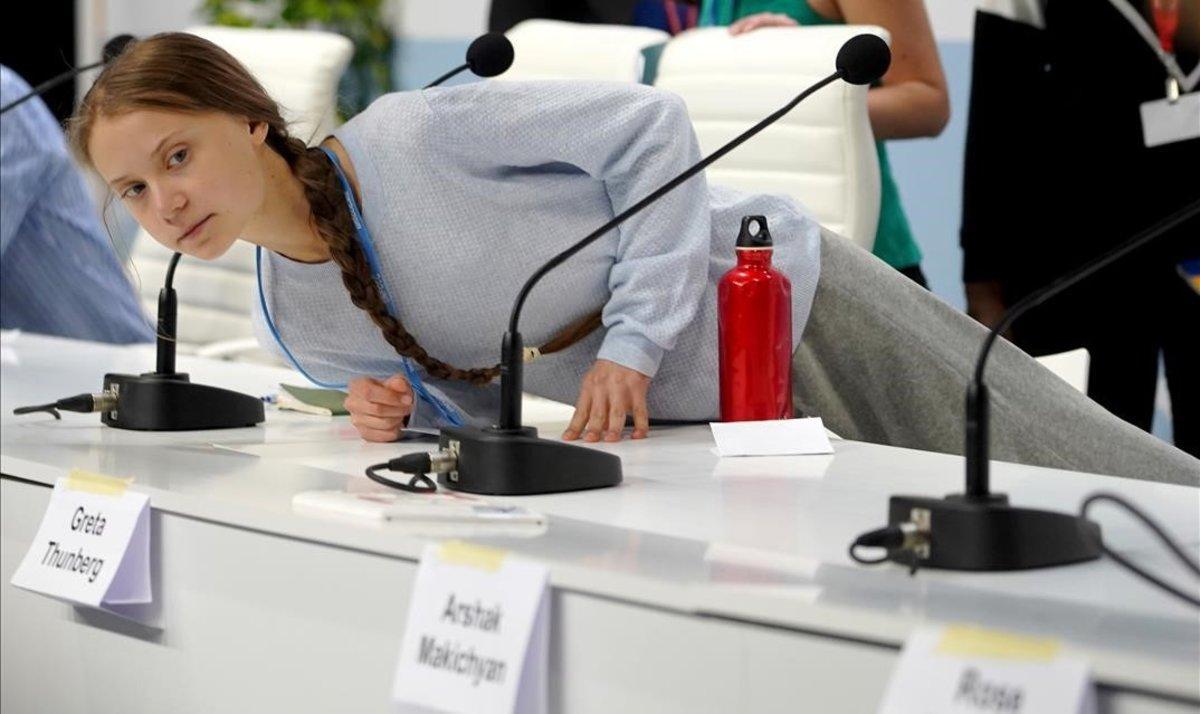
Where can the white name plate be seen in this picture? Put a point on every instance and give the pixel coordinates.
(965, 670)
(93, 546)
(477, 636)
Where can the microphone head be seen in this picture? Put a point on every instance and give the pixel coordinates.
(863, 59)
(490, 54)
(114, 47)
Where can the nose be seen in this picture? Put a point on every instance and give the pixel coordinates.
(170, 203)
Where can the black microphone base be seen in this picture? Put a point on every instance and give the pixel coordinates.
(169, 402)
(516, 462)
(986, 533)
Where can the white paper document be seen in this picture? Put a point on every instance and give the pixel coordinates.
(477, 636)
(92, 547)
(963, 669)
(778, 437)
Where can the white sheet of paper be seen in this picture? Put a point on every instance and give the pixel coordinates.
(778, 437)
(477, 637)
(91, 549)
(955, 669)
(1165, 122)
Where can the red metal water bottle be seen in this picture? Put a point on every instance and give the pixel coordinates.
(754, 323)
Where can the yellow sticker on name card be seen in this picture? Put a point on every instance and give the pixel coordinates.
(967, 641)
(457, 552)
(90, 482)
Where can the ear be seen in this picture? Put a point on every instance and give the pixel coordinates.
(258, 132)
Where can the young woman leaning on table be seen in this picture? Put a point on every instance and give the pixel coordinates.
(910, 102)
(392, 252)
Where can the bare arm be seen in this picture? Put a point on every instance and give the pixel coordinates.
(913, 100)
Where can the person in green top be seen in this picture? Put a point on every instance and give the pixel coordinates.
(911, 101)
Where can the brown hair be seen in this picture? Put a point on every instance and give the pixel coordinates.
(183, 72)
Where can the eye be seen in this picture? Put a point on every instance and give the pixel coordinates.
(133, 191)
(177, 158)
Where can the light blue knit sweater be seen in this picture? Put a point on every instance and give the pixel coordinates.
(467, 190)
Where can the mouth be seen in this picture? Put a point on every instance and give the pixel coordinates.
(196, 229)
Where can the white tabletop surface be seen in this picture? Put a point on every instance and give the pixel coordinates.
(753, 539)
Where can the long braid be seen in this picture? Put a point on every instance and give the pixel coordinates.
(335, 226)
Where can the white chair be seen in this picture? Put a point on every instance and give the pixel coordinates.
(822, 153)
(300, 69)
(1071, 367)
(551, 49)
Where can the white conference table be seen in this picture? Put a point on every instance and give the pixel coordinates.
(698, 585)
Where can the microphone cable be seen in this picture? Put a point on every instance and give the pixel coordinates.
(419, 465)
(84, 403)
(1171, 545)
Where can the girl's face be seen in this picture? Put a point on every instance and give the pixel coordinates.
(193, 181)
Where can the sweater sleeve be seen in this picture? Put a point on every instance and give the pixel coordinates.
(632, 138)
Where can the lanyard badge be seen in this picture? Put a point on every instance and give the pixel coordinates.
(1177, 117)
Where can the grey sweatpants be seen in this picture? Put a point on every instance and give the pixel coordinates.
(883, 360)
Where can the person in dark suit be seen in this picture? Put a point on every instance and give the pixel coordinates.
(1057, 172)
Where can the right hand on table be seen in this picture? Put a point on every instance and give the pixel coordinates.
(379, 409)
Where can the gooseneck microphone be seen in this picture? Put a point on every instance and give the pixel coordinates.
(978, 529)
(112, 49)
(162, 400)
(510, 459)
(488, 55)
(978, 478)
(166, 400)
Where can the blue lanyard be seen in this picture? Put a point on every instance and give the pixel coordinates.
(446, 411)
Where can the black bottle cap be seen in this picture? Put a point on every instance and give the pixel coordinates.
(754, 233)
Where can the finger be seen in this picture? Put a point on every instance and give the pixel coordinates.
(616, 420)
(374, 423)
(596, 416)
(359, 386)
(398, 383)
(744, 24)
(641, 417)
(579, 418)
(770, 21)
(359, 405)
(379, 394)
(754, 23)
